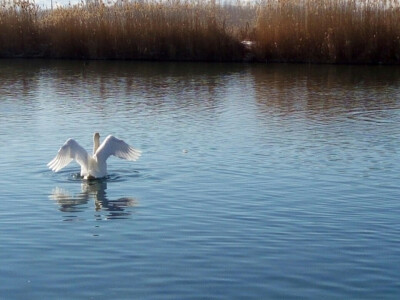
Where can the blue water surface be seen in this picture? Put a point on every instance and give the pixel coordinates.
(255, 182)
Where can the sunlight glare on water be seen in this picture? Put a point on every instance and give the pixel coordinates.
(256, 181)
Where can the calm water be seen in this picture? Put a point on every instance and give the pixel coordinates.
(268, 181)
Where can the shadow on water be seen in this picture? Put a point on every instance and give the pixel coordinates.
(96, 190)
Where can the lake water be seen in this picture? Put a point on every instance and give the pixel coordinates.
(255, 182)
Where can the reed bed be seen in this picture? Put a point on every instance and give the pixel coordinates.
(153, 30)
(329, 31)
(326, 31)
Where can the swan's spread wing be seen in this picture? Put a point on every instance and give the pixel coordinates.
(118, 148)
(68, 152)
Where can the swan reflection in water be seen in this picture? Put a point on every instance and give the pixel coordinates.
(95, 189)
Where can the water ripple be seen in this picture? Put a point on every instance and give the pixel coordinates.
(256, 181)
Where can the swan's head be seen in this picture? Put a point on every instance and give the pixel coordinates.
(96, 142)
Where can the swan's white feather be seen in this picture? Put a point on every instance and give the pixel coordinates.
(70, 151)
(93, 166)
(118, 148)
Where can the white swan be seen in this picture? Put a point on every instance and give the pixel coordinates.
(93, 166)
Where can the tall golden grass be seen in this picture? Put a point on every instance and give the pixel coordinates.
(325, 31)
(19, 28)
(329, 31)
(167, 30)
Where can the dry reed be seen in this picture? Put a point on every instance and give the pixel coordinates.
(19, 28)
(168, 30)
(326, 31)
(329, 31)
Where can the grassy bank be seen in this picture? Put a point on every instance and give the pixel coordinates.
(326, 31)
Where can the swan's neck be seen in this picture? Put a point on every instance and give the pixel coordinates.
(96, 143)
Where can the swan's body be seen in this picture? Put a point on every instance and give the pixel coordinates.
(93, 166)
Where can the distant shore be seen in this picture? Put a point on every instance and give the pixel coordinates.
(328, 31)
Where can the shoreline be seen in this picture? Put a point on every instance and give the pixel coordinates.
(243, 61)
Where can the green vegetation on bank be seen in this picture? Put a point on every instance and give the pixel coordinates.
(326, 31)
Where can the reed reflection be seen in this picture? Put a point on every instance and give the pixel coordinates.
(325, 92)
(95, 190)
(19, 79)
(151, 86)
